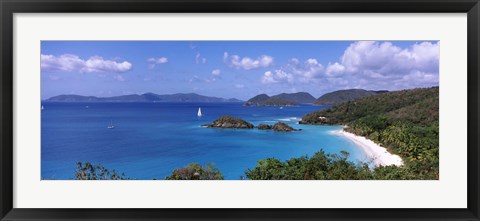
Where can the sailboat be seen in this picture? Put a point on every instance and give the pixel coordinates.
(199, 112)
(111, 126)
(42, 107)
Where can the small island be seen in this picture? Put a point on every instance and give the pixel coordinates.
(282, 127)
(229, 122)
(238, 123)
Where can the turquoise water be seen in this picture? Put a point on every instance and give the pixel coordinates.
(150, 140)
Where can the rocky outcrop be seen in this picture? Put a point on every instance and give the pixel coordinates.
(282, 127)
(230, 122)
(234, 122)
(264, 127)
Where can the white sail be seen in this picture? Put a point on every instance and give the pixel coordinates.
(199, 112)
(111, 126)
(42, 107)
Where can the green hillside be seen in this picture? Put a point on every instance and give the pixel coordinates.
(405, 122)
(276, 101)
(342, 96)
(282, 99)
(299, 97)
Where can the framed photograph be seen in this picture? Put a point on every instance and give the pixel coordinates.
(199, 110)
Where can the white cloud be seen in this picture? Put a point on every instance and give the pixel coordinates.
(335, 69)
(197, 79)
(307, 71)
(199, 59)
(160, 60)
(247, 63)
(154, 61)
(225, 56)
(366, 64)
(208, 79)
(216, 72)
(73, 63)
(385, 65)
(365, 57)
(277, 76)
(239, 86)
(294, 61)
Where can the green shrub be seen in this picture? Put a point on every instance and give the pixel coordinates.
(88, 171)
(195, 171)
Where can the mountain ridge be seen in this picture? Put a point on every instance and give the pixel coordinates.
(283, 99)
(145, 97)
(341, 96)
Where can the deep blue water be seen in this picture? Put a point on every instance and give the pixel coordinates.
(150, 140)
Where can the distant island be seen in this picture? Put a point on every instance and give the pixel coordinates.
(329, 99)
(147, 97)
(342, 96)
(283, 99)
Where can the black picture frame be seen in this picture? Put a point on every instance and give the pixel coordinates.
(9, 7)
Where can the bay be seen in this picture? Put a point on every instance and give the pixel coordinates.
(150, 140)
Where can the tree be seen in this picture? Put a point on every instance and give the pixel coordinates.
(88, 171)
(320, 166)
(195, 171)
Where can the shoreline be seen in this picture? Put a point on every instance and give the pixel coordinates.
(379, 154)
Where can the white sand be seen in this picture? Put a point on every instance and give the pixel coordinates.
(379, 154)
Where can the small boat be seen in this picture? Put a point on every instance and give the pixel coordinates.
(281, 108)
(42, 107)
(111, 126)
(199, 112)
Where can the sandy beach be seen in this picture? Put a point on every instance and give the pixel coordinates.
(379, 154)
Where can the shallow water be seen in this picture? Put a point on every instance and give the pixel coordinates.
(150, 140)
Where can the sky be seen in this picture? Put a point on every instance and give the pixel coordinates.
(234, 69)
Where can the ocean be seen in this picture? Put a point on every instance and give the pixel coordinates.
(150, 140)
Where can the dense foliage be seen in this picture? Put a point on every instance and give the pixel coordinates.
(322, 166)
(282, 99)
(195, 171)
(88, 171)
(342, 96)
(258, 98)
(230, 122)
(405, 122)
(276, 101)
(299, 97)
